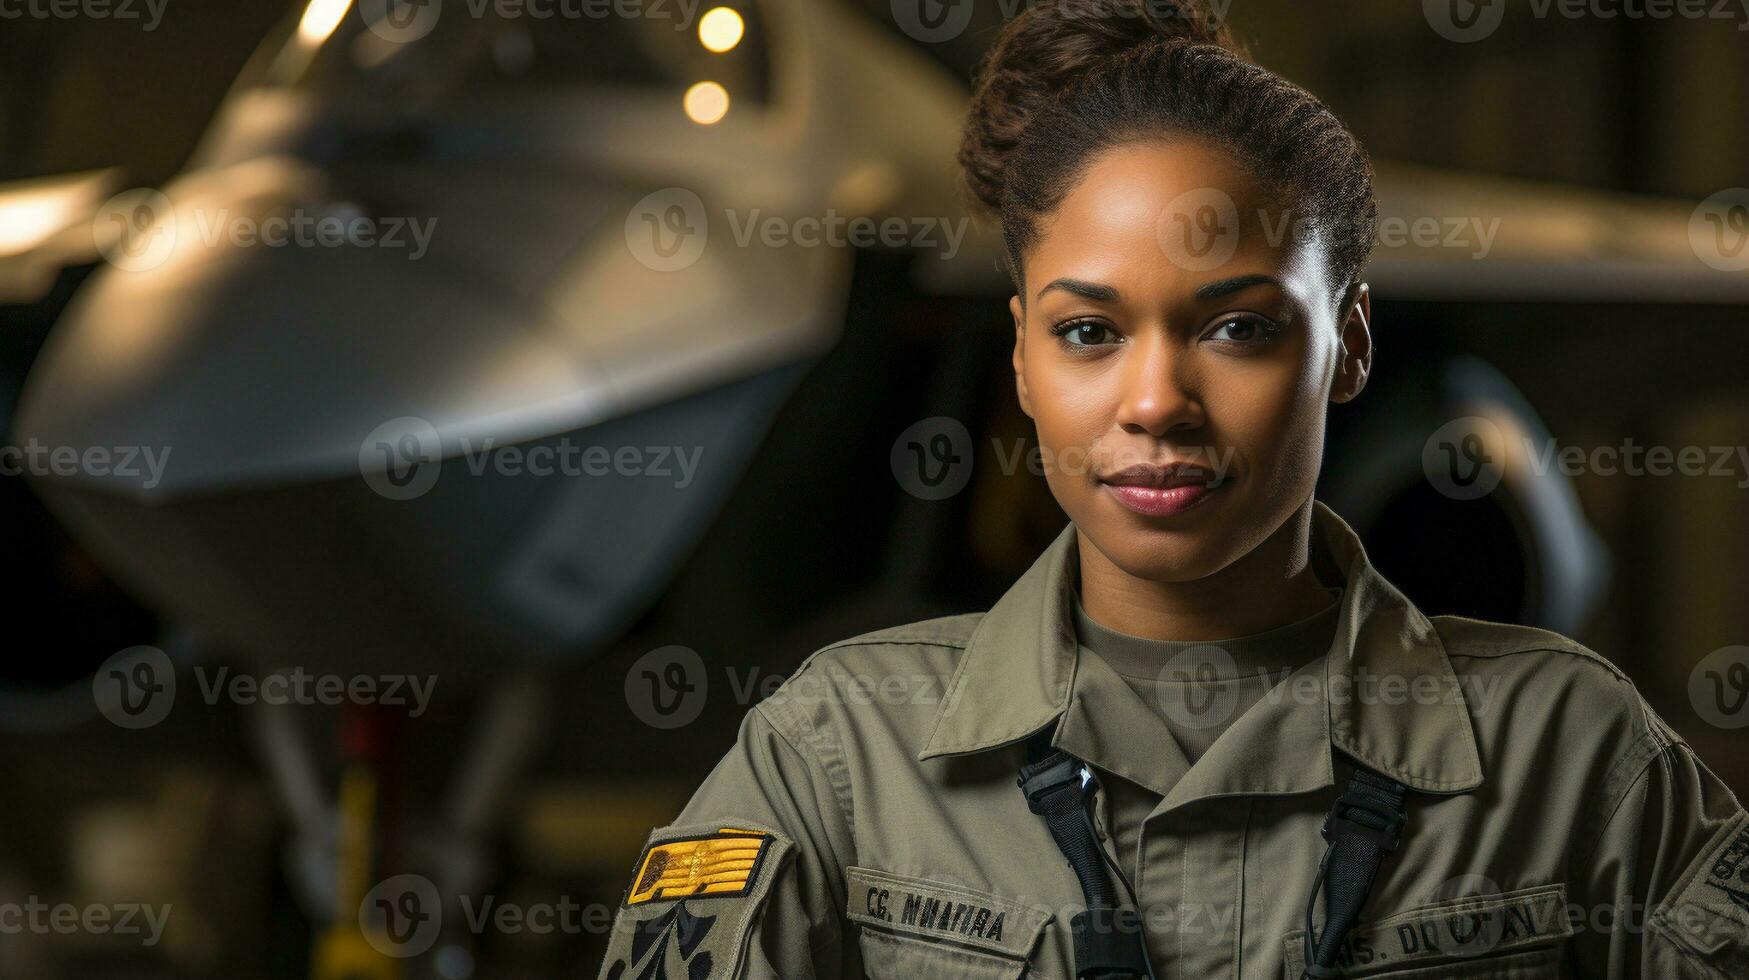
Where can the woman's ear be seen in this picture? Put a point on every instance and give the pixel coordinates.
(1354, 359)
(1019, 313)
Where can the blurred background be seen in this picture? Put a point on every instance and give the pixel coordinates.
(430, 427)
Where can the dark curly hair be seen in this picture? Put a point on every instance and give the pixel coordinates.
(1068, 79)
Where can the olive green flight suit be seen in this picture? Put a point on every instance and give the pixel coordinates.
(867, 821)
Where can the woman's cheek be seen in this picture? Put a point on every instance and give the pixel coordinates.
(1267, 403)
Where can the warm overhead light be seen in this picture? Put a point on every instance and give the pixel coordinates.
(321, 17)
(706, 103)
(26, 220)
(721, 29)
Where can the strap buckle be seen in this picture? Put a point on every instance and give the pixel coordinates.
(1364, 815)
(1042, 781)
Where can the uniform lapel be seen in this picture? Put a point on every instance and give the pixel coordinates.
(1013, 678)
(1385, 693)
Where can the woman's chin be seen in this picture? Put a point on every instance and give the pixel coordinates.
(1181, 547)
(1176, 557)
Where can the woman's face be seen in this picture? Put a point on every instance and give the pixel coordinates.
(1177, 351)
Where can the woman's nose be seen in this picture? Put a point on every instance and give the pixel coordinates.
(1158, 390)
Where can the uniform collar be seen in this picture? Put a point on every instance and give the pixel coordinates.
(1385, 694)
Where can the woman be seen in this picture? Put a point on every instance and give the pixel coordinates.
(1425, 797)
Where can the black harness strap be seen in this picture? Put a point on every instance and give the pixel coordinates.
(1108, 937)
(1364, 826)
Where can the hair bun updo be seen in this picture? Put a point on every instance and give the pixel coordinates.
(1046, 48)
(1067, 79)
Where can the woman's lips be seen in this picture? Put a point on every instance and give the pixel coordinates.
(1160, 501)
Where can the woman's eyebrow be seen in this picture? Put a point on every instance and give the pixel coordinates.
(1224, 287)
(1085, 290)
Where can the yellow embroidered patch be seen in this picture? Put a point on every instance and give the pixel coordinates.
(715, 866)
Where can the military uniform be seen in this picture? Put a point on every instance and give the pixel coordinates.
(867, 821)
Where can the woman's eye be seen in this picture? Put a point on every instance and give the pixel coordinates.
(1085, 333)
(1244, 330)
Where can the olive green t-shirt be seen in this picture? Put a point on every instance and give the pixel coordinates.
(1198, 688)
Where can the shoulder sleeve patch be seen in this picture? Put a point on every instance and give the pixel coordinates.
(717, 865)
(695, 895)
(1707, 915)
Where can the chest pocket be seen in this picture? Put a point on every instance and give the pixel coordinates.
(1515, 935)
(913, 928)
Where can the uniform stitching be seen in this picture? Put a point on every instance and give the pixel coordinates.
(886, 643)
(847, 644)
(825, 754)
(1352, 741)
(950, 693)
(875, 640)
(840, 786)
(1661, 753)
(895, 635)
(1239, 889)
(1589, 656)
(1651, 726)
(1545, 642)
